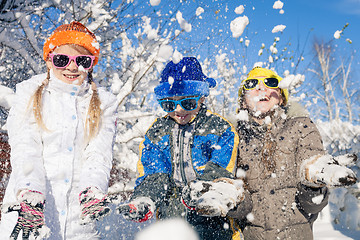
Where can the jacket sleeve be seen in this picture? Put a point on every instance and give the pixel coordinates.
(25, 141)
(223, 155)
(98, 153)
(310, 200)
(152, 159)
(153, 180)
(154, 186)
(309, 143)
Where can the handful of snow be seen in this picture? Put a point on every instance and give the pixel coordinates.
(140, 209)
(215, 198)
(327, 170)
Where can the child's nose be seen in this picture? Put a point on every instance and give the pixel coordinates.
(178, 108)
(261, 86)
(72, 65)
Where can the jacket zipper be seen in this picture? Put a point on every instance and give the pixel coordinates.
(181, 155)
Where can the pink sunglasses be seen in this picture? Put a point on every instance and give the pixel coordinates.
(63, 60)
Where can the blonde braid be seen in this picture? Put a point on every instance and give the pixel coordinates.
(94, 112)
(37, 101)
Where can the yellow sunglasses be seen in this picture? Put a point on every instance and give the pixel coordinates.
(269, 82)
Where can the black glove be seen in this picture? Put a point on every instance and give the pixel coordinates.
(93, 205)
(138, 210)
(31, 215)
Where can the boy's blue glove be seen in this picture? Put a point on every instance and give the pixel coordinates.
(138, 210)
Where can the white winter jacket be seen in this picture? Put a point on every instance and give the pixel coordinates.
(59, 162)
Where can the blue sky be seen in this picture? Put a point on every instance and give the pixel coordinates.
(305, 20)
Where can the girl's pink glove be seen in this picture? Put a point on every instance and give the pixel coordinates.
(31, 215)
(93, 205)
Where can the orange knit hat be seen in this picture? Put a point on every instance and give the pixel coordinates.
(73, 33)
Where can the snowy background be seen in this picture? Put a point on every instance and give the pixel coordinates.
(317, 58)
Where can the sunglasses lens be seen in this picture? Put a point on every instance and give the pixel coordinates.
(168, 106)
(60, 61)
(189, 104)
(271, 82)
(250, 83)
(84, 61)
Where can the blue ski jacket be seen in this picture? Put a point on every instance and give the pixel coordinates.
(214, 141)
(213, 145)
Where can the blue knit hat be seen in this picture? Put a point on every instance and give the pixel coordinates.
(183, 79)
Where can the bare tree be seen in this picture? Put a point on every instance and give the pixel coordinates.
(327, 76)
(346, 87)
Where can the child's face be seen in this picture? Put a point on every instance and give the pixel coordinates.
(182, 116)
(262, 99)
(71, 74)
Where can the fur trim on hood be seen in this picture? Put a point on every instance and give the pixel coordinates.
(295, 109)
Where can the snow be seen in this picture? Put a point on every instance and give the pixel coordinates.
(337, 34)
(216, 198)
(324, 229)
(155, 2)
(267, 120)
(6, 96)
(177, 56)
(278, 5)
(317, 199)
(273, 49)
(239, 10)
(175, 229)
(165, 53)
(182, 22)
(238, 25)
(318, 170)
(278, 28)
(291, 81)
(250, 217)
(338, 136)
(171, 80)
(199, 11)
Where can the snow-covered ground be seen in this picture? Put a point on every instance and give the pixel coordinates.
(324, 230)
(116, 227)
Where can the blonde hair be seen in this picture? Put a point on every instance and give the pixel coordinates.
(92, 123)
(37, 101)
(94, 113)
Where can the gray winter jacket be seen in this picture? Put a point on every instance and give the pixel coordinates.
(271, 155)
